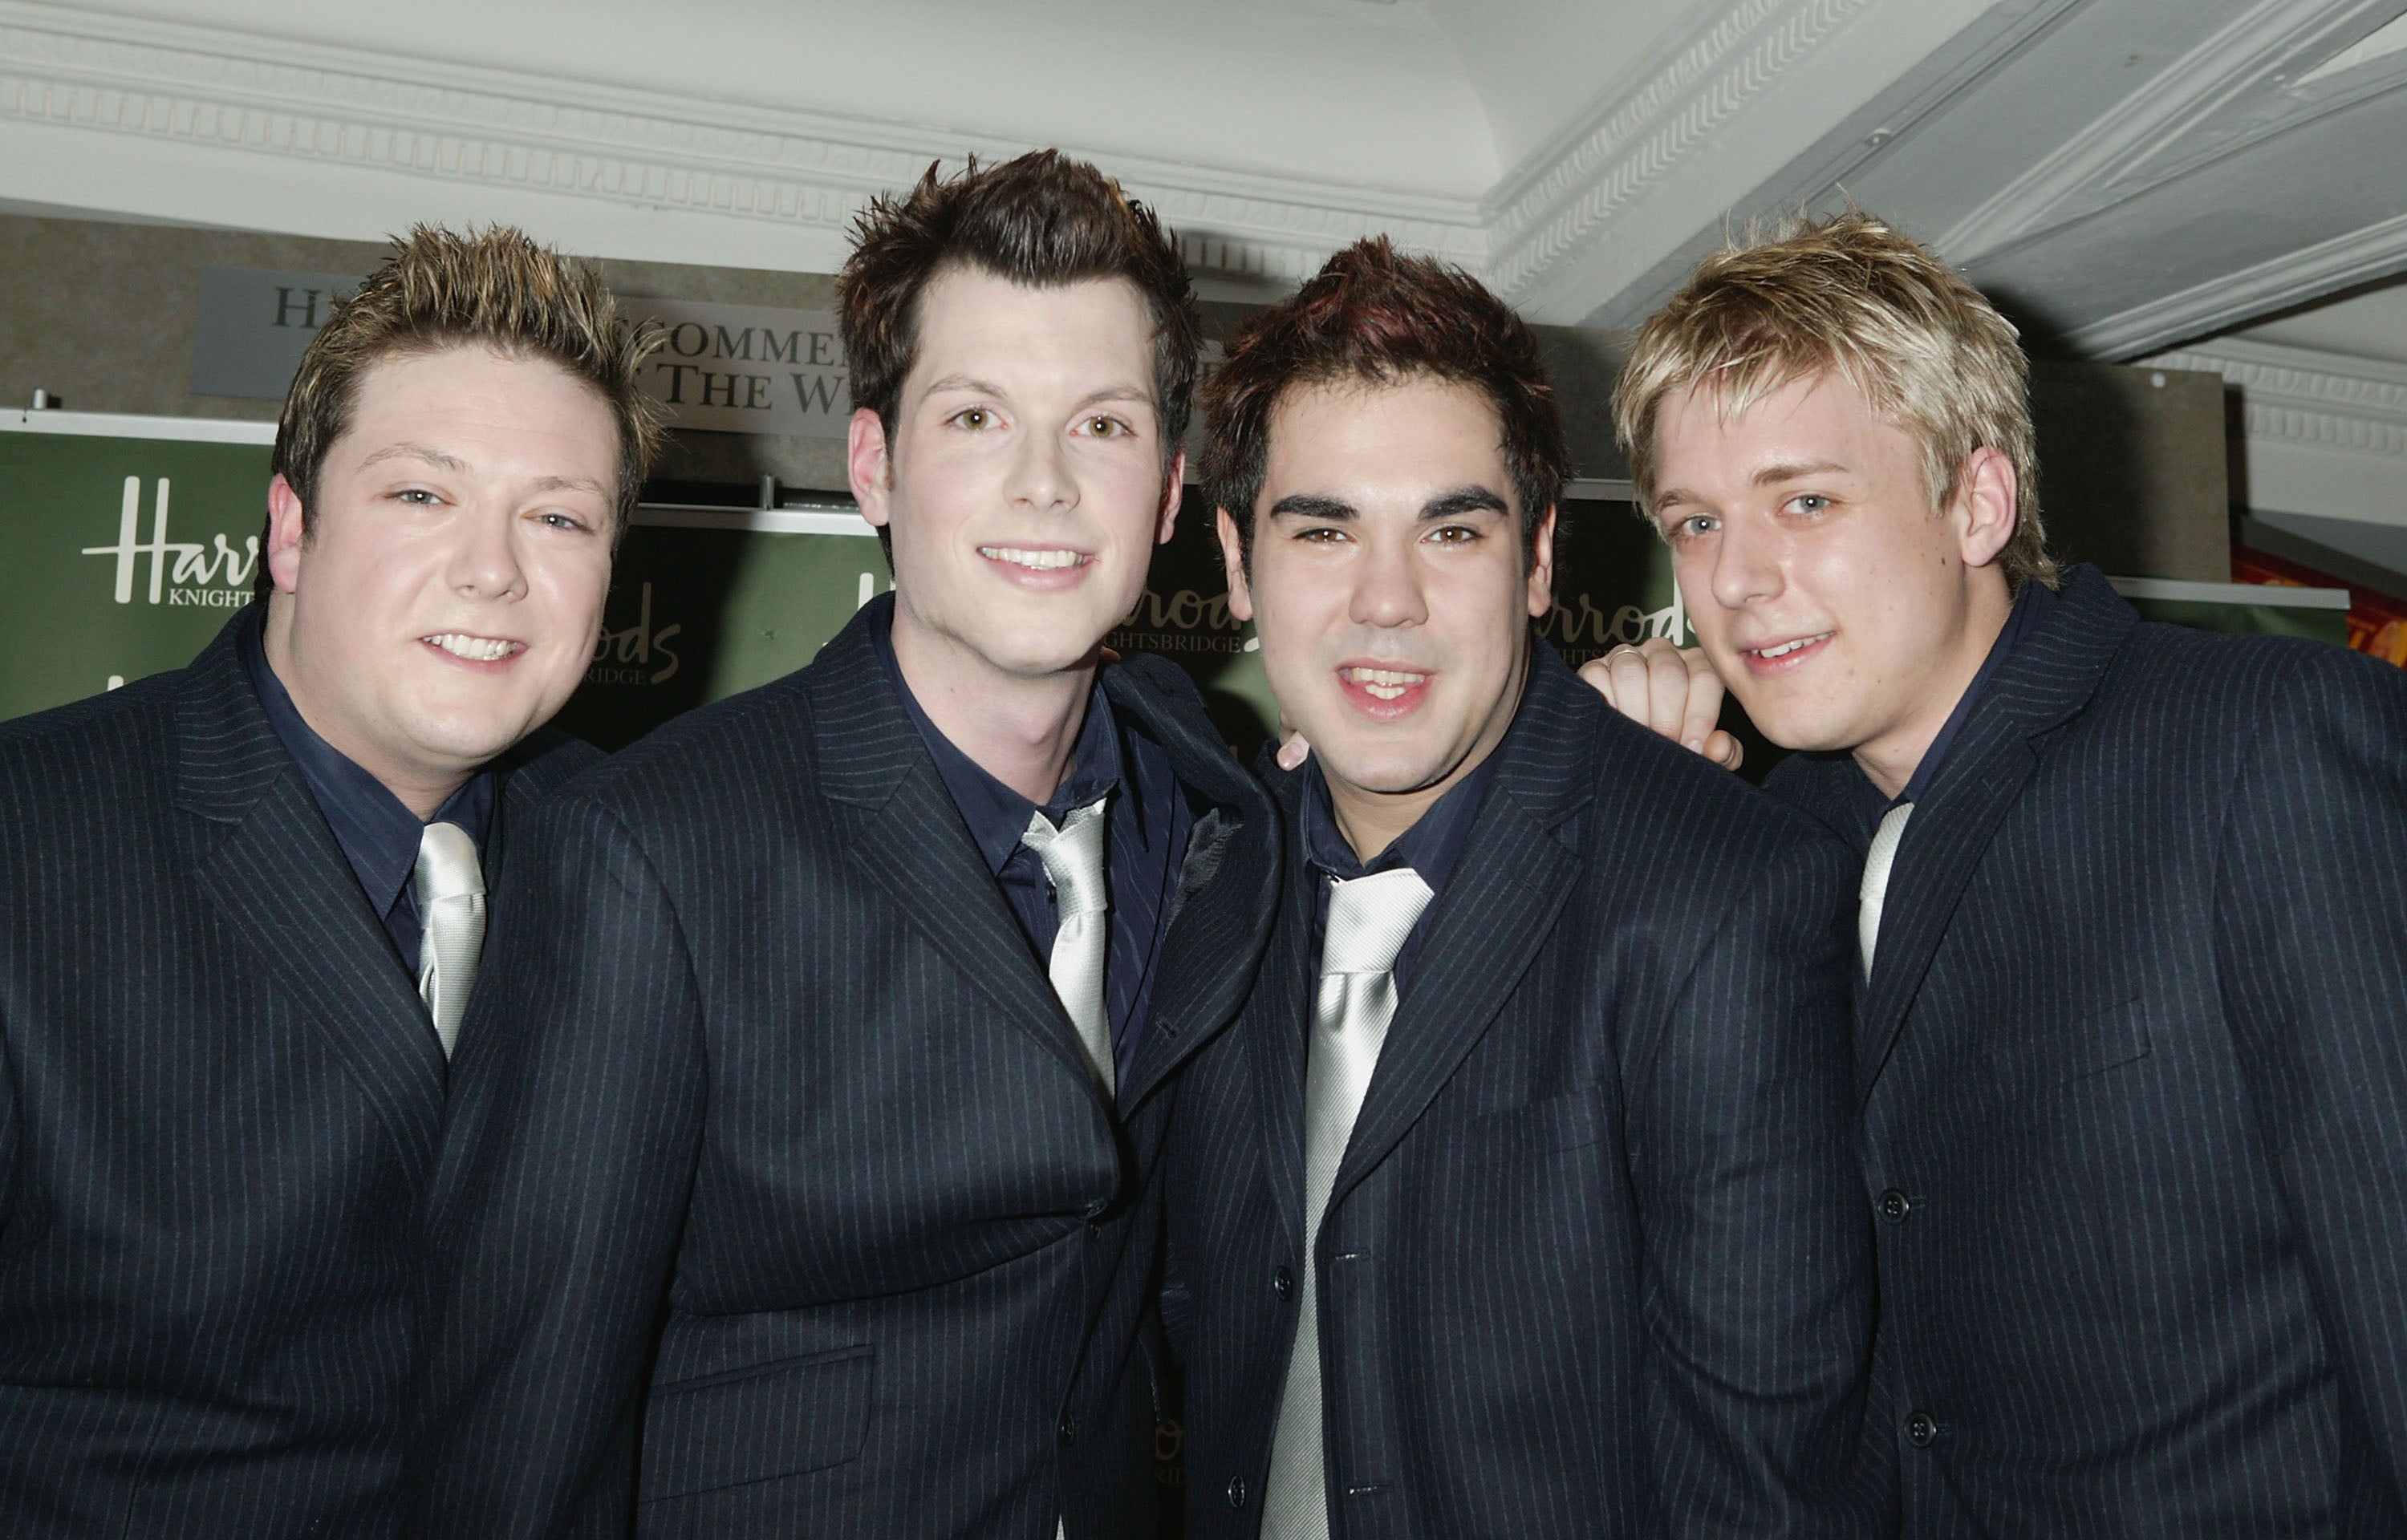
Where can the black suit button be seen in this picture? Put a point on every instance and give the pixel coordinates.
(1283, 1283)
(1236, 1491)
(1095, 1209)
(1895, 1205)
(1920, 1429)
(1069, 1428)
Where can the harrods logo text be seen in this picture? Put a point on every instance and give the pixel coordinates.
(181, 573)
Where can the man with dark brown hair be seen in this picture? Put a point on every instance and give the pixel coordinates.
(244, 902)
(800, 1185)
(1519, 1200)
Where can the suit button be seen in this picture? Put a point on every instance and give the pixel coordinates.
(1895, 1205)
(1283, 1283)
(1095, 1209)
(1920, 1429)
(1069, 1429)
(1236, 1491)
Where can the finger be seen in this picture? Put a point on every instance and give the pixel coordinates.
(1597, 674)
(1667, 695)
(1704, 703)
(1633, 686)
(1724, 750)
(1293, 751)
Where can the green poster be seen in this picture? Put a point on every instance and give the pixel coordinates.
(124, 548)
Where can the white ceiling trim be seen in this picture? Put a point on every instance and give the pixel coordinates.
(2375, 251)
(2103, 162)
(2306, 397)
(248, 95)
(1630, 142)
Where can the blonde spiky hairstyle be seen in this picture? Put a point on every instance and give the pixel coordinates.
(1852, 297)
(496, 287)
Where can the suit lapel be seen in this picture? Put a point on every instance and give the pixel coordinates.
(2047, 680)
(1276, 1032)
(1228, 886)
(279, 880)
(911, 841)
(1497, 910)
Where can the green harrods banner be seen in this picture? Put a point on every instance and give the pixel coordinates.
(126, 542)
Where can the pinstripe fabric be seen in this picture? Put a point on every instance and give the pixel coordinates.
(778, 1199)
(2132, 1057)
(222, 1099)
(1593, 1262)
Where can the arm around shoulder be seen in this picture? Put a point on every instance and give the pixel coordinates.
(575, 1122)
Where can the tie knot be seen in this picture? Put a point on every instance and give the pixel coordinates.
(1369, 918)
(1074, 858)
(447, 865)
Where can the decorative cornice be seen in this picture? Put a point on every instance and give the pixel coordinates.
(2375, 251)
(1630, 142)
(2304, 397)
(2112, 157)
(255, 96)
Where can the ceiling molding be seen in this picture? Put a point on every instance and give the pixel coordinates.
(249, 95)
(1627, 145)
(2233, 298)
(2306, 397)
(2097, 165)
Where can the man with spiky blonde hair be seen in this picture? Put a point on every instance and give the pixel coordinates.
(2129, 1046)
(242, 904)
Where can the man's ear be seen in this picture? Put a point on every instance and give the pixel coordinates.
(1233, 561)
(1987, 495)
(287, 532)
(1172, 491)
(1542, 568)
(868, 465)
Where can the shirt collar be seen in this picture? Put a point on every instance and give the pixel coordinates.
(1430, 847)
(2031, 606)
(997, 815)
(379, 835)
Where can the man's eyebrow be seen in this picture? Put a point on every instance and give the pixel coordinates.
(1313, 505)
(435, 458)
(569, 484)
(962, 382)
(1772, 473)
(1141, 393)
(1464, 500)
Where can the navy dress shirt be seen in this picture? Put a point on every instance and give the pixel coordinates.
(379, 836)
(1430, 847)
(1148, 822)
(2031, 606)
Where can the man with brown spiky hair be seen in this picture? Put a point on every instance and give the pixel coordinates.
(2129, 1048)
(244, 906)
(1519, 1200)
(806, 1187)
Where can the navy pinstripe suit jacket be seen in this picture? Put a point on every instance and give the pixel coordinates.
(2134, 1070)
(778, 1199)
(220, 1101)
(1595, 1263)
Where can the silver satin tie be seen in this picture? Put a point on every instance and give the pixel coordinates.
(1875, 893)
(1368, 921)
(451, 925)
(1082, 902)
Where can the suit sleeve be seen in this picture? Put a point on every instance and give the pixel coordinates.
(2312, 932)
(1758, 1271)
(575, 1123)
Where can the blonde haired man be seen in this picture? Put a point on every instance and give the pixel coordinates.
(2130, 1044)
(245, 902)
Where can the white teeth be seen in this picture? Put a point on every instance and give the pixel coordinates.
(477, 649)
(1042, 561)
(1787, 648)
(1384, 684)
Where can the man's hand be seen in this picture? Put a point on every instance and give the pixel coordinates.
(1674, 692)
